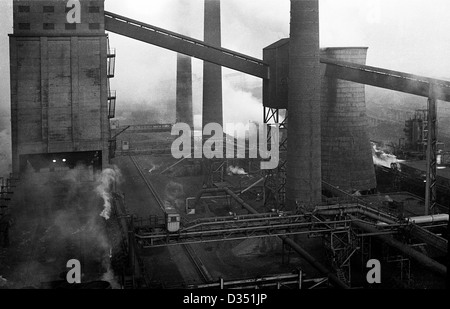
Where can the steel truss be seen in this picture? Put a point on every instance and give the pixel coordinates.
(430, 193)
(236, 228)
(294, 280)
(275, 183)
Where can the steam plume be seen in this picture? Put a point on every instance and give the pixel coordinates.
(106, 179)
(236, 170)
(382, 158)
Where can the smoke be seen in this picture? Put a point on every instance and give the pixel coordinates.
(382, 158)
(236, 170)
(105, 180)
(154, 167)
(174, 195)
(57, 218)
(240, 107)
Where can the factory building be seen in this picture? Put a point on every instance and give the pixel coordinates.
(59, 84)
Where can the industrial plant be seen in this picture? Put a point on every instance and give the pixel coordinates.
(97, 201)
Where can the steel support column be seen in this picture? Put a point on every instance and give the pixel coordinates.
(430, 193)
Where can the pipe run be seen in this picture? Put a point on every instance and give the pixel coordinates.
(415, 230)
(355, 208)
(412, 253)
(303, 253)
(428, 219)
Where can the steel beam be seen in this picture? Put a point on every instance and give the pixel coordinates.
(185, 45)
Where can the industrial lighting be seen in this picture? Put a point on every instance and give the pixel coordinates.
(64, 160)
(54, 161)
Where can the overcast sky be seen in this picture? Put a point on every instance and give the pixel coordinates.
(406, 35)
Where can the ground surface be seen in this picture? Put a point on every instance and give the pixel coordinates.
(170, 266)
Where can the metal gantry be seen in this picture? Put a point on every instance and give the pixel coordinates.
(236, 228)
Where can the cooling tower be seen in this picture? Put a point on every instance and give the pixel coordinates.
(304, 184)
(346, 151)
(184, 111)
(212, 73)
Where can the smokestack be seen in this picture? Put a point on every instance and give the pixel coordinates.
(212, 73)
(184, 90)
(304, 182)
(346, 151)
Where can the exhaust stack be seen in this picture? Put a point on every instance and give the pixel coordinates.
(212, 73)
(304, 182)
(184, 111)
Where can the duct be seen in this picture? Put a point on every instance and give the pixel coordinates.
(412, 253)
(240, 201)
(428, 219)
(332, 277)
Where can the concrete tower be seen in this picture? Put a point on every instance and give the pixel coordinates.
(212, 73)
(184, 111)
(304, 183)
(346, 152)
(59, 98)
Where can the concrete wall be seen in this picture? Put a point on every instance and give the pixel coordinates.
(58, 83)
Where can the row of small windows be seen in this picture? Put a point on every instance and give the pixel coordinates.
(51, 26)
(51, 9)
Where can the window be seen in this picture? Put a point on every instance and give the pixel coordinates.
(49, 9)
(94, 26)
(71, 26)
(24, 8)
(94, 9)
(24, 26)
(49, 26)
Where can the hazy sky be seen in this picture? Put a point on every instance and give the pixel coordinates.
(405, 35)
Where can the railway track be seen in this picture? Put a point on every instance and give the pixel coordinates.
(200, 268)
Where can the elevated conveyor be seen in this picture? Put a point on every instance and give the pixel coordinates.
(185, 45)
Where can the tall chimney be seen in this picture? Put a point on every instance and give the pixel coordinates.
(304, 180)
(212, 73)
(184, 111)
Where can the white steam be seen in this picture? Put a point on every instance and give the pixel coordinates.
(236, 170)
(105, 181)
(382, 158)
(154, 167)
